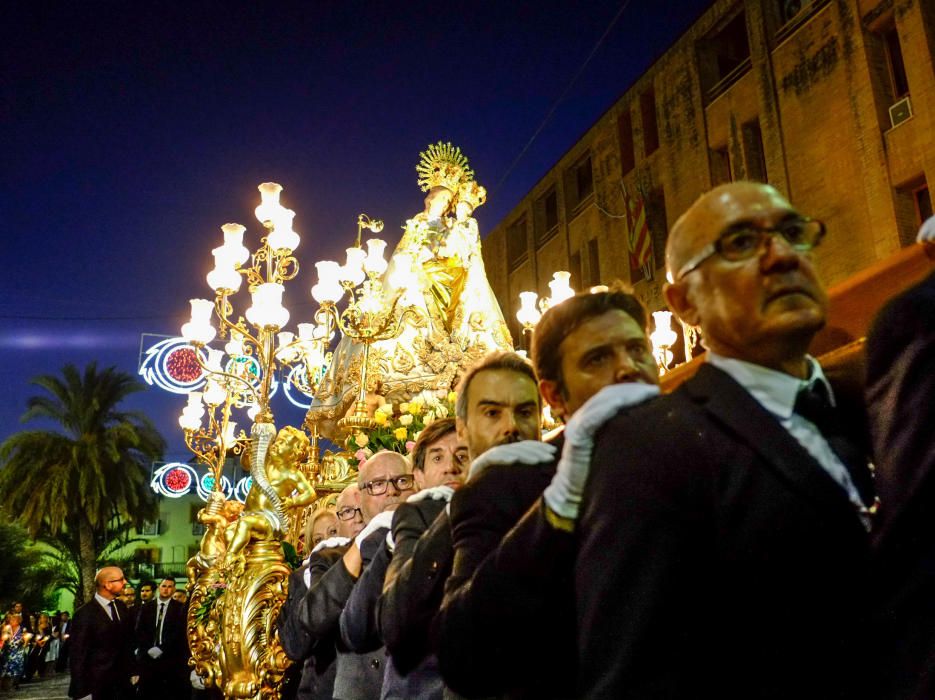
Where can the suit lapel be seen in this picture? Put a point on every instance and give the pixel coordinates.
(735, 409)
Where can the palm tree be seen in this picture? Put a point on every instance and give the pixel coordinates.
(88, 474)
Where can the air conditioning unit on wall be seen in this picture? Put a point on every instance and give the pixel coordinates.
(900, 111)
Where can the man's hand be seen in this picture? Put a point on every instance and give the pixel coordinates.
(523, 452)
(384, 519)
(563, 495)
(436, 493)
(133, 680)
(154, 652)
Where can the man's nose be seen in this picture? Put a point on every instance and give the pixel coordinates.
(511, 426)
(626, 369)
(778, 253)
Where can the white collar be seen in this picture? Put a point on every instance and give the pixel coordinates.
(104, 603)
(774, 390)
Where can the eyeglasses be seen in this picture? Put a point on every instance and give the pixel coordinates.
(745, 242)
(347, 513)
(377, 487)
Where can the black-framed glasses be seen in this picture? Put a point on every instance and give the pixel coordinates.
(743, 243)
(347, 513)
(377, 487)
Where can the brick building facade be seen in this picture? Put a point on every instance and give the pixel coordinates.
(831, 101)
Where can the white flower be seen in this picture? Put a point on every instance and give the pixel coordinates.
(441, 411)
(428, 418)
(405, 419)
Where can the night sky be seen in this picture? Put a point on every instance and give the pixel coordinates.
(132, 131)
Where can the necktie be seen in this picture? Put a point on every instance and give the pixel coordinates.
(162, 611)
(814, 404)
(113, 611)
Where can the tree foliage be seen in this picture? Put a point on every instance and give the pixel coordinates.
(29, 574)
(75, 485)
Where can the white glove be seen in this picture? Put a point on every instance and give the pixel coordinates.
(436, 493)
(384, 519)
(154, 652)
(563, 495)
(523, 452)
(330, 542)
(196, 681)
(390, 542)
(927, 231)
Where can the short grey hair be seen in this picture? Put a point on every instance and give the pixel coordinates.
(501, 360)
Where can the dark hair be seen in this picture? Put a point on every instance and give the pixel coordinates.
(168, 578)
(502, 360)
(429, 436)
(151, 584)
(562, 319)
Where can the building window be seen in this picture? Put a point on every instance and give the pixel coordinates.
(574, 267)
(923, 202)
(913, 206)
(594, 263)
(579, 183)
(658, 225)
(724, 56)
(546, 216)
(625, 132)
(894, 60)
(754, 158)
(720, 166)
(650, 128)
(516, 245)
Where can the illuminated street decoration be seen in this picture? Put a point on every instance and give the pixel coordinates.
(205, 485)
(173, 480)
(172, 364)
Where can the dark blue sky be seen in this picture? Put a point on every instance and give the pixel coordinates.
(132, 131)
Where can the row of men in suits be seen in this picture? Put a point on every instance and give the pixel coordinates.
(119, 652)
(718, 541)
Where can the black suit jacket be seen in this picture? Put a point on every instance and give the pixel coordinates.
(492, 635)
(414, 583)
(716, 558)
(174, 640)
(901, 401)
(101, 651)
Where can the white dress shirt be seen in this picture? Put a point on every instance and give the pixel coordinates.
(776, 392)
(105, 603)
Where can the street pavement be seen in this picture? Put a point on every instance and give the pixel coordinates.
(54, 688)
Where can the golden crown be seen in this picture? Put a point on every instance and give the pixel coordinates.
(443, 165)
(472, 193)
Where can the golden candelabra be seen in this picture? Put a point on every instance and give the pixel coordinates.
(371, 315)
(238, 577)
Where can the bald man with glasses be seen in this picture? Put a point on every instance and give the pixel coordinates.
(102, 666)
(722, 538)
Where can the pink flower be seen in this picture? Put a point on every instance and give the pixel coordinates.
(360, 455)
(409, 445)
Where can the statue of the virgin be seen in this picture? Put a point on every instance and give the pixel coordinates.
(461, 319)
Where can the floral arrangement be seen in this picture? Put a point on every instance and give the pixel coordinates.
(399, 425)
(215, 591)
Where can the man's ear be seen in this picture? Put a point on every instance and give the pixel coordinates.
(461, 430)
(419, 476)
(553, 396)
(679, 300)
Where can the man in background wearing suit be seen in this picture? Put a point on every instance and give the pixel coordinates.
(162, 646)
(101, 639)
(723, 530)
(900, 391)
